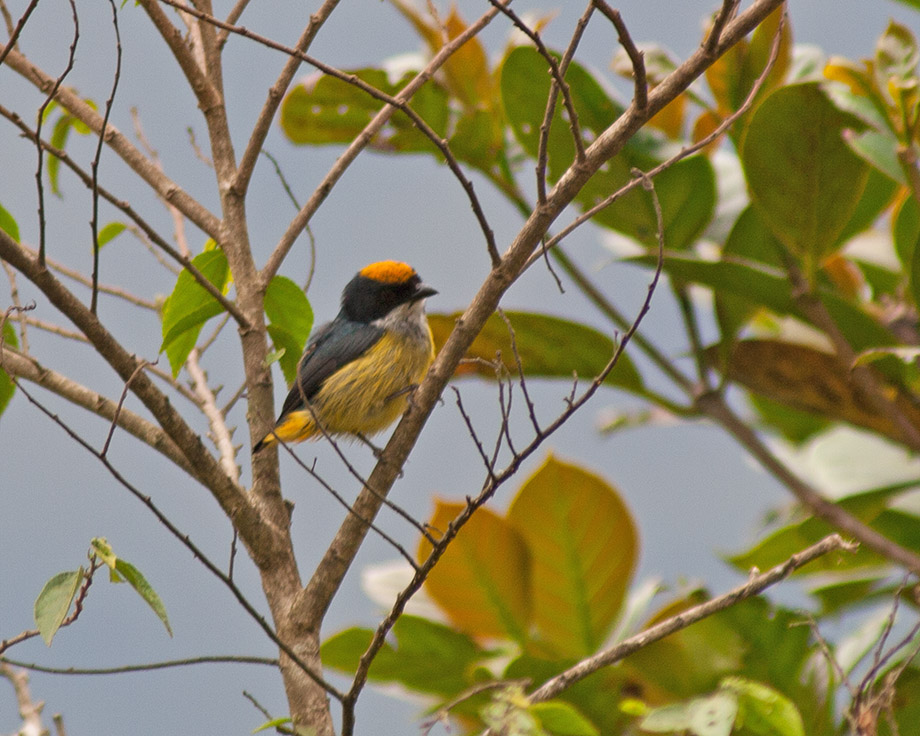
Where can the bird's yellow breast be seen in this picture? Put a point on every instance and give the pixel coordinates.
(370, 393)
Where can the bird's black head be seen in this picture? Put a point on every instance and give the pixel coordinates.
(379, 288)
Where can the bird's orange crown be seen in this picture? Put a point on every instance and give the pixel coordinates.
(388, 272)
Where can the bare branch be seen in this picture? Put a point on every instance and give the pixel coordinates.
(146, 667)
(365, 137)
(139, 163)
(22, 366)
(148, 230)
(640, 96)
(14, 33)
(756, 585)
(94, 220)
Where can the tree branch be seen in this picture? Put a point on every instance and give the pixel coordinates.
(116, 140)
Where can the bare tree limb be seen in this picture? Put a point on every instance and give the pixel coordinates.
(22, 366)
(120, 144)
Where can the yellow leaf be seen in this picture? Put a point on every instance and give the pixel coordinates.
(483, 580)
(583, 546)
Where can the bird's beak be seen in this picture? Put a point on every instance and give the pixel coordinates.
(423, 291)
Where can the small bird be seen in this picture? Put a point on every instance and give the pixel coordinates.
(357, 371)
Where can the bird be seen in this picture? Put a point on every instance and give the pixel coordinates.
(357, 371)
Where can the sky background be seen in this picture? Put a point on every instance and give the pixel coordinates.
(693, 493)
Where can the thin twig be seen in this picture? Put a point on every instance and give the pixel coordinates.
(543, 140)
(94, 166)
(124, 394)
(147, 667)
(636, 57)
(14, 33)
(557, 74)
(125, 207)
(726, 13)
(311, 471)
(49, 98)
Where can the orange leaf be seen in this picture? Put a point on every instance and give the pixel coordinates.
(483, 580)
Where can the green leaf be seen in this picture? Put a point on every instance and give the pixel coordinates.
(7, 387)
(879, 150)
(426, 656)
(483, 580)
(870, 507)
(561, 718)
(803, 178)
(896, 55)
(190, 306)
(54, 601)
(290, 319)
(907, 231)
(110, 232)
(876, 198)
(136, 580)
(667, 718)
(275, 722)
(583, 548)
(764, 711)
(325, 110)
(765, 287)
(8, 224)
(549, 347)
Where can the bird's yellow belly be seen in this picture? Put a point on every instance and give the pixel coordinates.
(368, 394)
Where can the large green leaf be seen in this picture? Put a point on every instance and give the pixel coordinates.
(803, 178)
(549, 347)
(870, 507)
(762, 286)
(290, 318)
(426, 656)
(326, 110)
(583, 549)
(190, 306)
